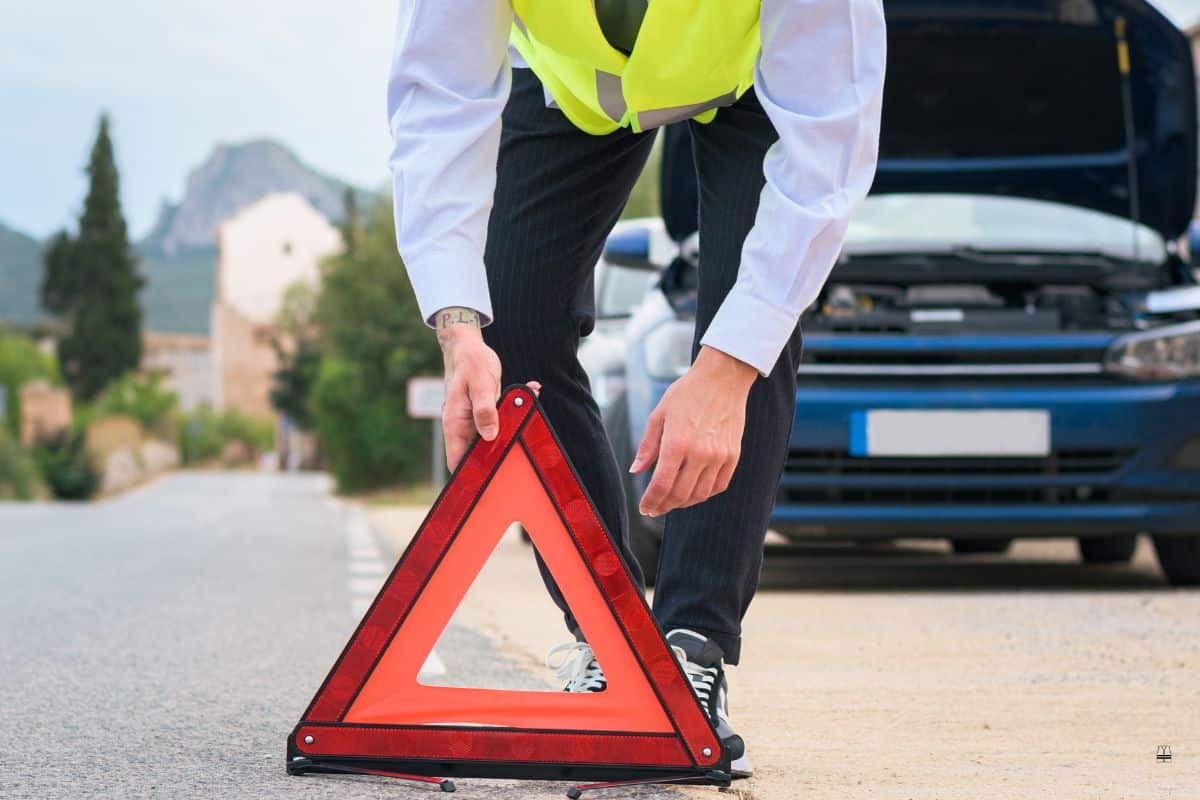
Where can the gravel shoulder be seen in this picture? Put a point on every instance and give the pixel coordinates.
(904, 672)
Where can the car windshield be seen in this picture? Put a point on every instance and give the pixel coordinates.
(622, 290)
(935, 223)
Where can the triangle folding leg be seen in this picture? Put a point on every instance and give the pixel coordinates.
(372, 712)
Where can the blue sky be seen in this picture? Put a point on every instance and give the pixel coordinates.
(178, 77)
(181, 75)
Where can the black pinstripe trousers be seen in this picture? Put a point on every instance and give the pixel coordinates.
(559, 192)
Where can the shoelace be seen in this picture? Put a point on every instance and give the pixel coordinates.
(578, 667)
(703, 679)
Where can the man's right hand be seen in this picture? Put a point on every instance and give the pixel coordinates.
(472, 382)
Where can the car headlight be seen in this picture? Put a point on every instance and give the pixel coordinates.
(1165, 354)
(668, 350)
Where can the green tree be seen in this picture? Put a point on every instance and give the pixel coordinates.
(644, 200)
(91, 283)
(372, 339)
(299, 355)
(351, 225)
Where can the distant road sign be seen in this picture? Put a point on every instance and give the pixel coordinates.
(425, 398)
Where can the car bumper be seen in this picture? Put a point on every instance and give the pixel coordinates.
(1117, 466)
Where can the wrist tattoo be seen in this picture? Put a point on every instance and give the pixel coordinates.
(449, 318)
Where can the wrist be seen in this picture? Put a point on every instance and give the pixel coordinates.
(724, 368)
(455, 325)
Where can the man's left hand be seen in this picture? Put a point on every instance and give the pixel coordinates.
(695, 434)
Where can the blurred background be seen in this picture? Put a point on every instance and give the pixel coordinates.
(216, 172)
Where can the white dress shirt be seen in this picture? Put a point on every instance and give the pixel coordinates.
(819, 79)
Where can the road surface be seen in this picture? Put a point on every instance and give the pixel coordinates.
(163, 644)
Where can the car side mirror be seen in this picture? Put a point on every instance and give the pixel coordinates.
(630, 249)
(680, 281)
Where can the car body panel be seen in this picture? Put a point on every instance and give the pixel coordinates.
(1124, 435)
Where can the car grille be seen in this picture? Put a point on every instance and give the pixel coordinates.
(1065, 476)
(1013, 357)
(847, 357)
(1060, 462)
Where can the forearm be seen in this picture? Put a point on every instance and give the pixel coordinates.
(820, 81)
(447, 88)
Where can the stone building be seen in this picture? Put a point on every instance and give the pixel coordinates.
(263, 249)
(185, 362)
(45, 411)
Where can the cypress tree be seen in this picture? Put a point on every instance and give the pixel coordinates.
(91, 282)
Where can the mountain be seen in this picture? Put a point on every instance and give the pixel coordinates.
(176, 298)
(20, 275)
(179, 257)
(179, 290)
(233, 177)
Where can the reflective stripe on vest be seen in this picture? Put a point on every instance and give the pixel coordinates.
(690, 58)
(610, 95)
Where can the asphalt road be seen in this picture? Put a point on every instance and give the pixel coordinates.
(164, 644)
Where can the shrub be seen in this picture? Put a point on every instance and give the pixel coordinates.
(66, 465)
(21, 362)
(367, 435)
(142, 397)
(19, 477)
(372, 340)
(204, 435)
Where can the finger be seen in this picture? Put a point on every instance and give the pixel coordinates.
(704, 488)
(535, 387)
(647, 452)
(484, 394)
(724, 477)
(663, 481)
(457, 428)
(457, 432)
(682, 491)
(456, 447)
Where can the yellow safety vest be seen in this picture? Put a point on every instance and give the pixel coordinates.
(691, 57)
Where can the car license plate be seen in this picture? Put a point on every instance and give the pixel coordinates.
(898, 433)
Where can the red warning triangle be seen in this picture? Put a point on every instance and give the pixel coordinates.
(372, 712)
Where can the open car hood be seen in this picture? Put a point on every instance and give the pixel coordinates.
(1028, 99)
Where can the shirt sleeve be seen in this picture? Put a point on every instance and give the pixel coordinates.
(820, 80)
(449, 81)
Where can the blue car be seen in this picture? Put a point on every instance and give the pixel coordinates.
(1009, 345)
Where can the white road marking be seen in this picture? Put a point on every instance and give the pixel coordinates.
(366, 573)
(362, 567)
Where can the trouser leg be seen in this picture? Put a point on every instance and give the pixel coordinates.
(712, 553)
(559, 192)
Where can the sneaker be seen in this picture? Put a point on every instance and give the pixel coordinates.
(577, 666)
(703, 662)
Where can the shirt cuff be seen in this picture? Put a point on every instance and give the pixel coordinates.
(442, 283)
(750, 329)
